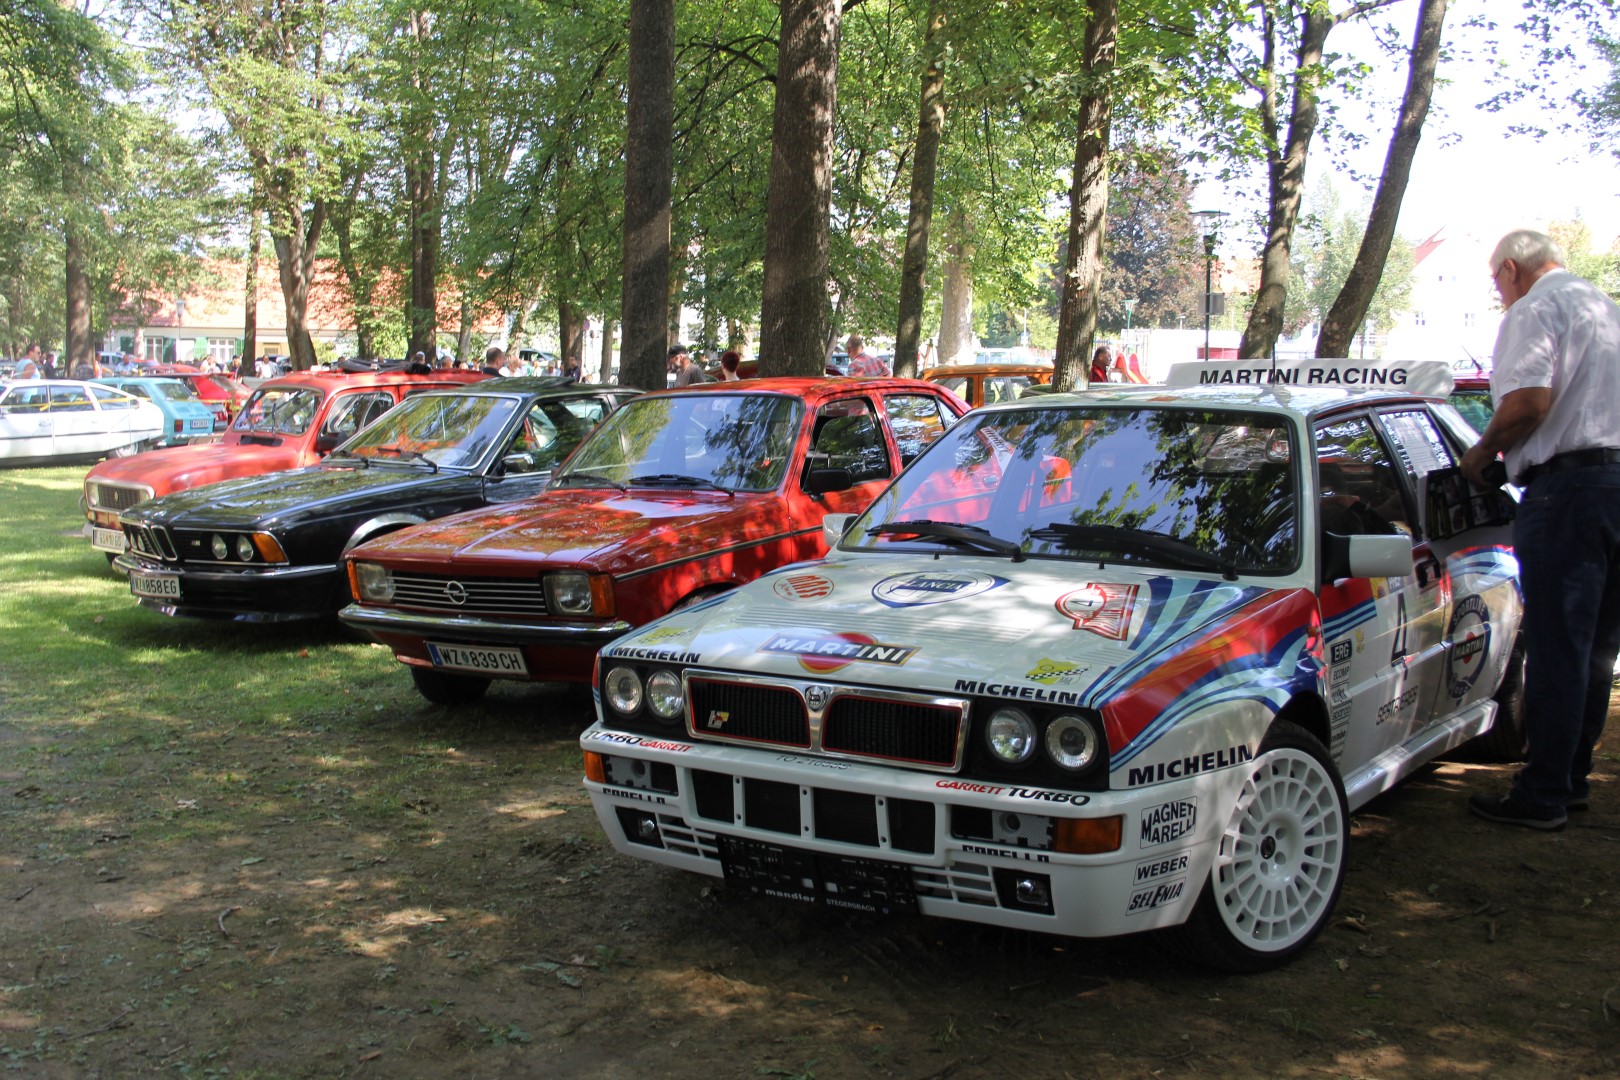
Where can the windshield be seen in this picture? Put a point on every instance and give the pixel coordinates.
(452, 430)
(740, 442)
(279, 411)
(1207, 489)
(175, 391)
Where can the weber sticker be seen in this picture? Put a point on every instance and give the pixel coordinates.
(1165, 866)
(1168, 822)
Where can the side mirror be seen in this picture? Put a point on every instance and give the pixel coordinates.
(821, 481)
(326, 442)
(833, 527)
(516, 464)
(1380, 556)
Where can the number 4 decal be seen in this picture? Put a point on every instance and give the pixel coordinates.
(1398, 652)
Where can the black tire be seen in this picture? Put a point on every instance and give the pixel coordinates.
(1506, 741)
(1251, 913)
(442, 688)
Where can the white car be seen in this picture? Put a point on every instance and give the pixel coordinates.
(1094, 664)
(61, 420)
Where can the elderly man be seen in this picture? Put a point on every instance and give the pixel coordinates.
(686, 372)
(862, 362)
(1556, 383)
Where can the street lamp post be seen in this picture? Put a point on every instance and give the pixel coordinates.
(1130, 306)
(1210, 219)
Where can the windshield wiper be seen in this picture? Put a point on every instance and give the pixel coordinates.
(1153, 545)
(679, 480)
(410, 455)
(349, 455)
(591, 478)
(952, 532)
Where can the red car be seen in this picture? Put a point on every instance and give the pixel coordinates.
(288, 423)
(678, 496)
(221, 393)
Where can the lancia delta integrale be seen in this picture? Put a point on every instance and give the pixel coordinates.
(1095, 664)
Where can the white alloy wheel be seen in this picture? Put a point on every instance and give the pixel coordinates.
(1277, 873)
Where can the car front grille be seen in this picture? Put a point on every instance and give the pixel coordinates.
(117, 497)
(915, 729)
(452, 595)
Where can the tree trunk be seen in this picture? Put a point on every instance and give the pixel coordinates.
(606, 370)
(1286, 177)
(295, 245)
(1349, 308)
(570, 331)
(464, 333)
(1088, 202)
(422, 209)
(250, 292)
(78, 348)
(793, 313)
(924, 163)
(956, 340)
(649, 164)
(362, 284)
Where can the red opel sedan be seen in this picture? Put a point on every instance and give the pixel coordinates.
(678, 496)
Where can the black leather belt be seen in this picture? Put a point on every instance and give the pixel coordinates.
(1570, 459)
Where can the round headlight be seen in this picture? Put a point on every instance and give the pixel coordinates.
(244, 548)
(622, 688)
(219, 547)
(664, 695)
(1071, 743)
(1010, 735)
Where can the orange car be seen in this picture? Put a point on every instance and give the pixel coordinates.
(987, 384)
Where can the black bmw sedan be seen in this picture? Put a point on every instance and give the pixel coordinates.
(267, 548)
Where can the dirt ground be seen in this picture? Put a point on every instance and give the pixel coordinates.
(408, 891)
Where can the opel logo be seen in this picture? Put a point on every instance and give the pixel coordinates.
(455, 592)
(816, 697)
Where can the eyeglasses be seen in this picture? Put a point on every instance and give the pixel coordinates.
(1496, 273)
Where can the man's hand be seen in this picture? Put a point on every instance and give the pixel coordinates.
(1473, 464)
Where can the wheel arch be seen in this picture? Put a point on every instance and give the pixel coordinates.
(377, 526)
(1308, 711)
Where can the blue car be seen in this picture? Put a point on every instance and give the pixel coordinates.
(186, 418)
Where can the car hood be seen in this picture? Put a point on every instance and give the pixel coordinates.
(1046, 632)
(181, 467)
(614, 533)
(295, 495)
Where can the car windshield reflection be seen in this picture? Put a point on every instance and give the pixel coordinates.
(735, 442)
(1192, 489)
(279, 411)
(453, 431)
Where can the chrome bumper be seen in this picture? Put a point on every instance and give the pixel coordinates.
(385, 621)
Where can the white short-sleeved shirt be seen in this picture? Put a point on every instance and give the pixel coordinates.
(1563, 334)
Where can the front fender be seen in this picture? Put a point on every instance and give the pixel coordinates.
(382, 523)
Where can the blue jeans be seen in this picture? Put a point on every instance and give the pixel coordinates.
(1567, 538)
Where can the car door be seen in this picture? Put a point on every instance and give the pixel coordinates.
(349, 413)
(1467, 551)
(1383, 637)
(25, 421)
(849, 433)
(75, 426)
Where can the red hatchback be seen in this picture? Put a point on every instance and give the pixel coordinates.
(288, 423)
(678, 496)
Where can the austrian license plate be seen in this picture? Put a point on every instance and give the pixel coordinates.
(834, 880)
(491, 659)
(107, 539)
(159, 585)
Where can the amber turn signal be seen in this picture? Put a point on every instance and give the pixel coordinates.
(595, 768)
(1088, 836)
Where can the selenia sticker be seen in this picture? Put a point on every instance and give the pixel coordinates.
(1103, 608)
(1470, 635)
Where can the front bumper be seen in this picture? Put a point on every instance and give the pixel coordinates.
(553, 651)
(686, 804)
(241, 594)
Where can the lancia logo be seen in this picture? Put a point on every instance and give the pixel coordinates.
(816, 697)
(455, 592)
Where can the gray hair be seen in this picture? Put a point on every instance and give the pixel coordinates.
(1531, 250)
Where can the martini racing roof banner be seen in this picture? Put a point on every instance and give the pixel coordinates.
(1428, 378)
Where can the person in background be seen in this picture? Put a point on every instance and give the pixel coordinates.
(88, 369)
(570, 372)
(494, 358)
(1100, 363)
(729, 361)
(862, 362)
(686, 372)
(419, 365)
(1555, 379)
(28, 366)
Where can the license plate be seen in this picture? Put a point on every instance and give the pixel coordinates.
(201, 425)
(154, 585)
(835, 881)
(491, 659)
(108, 540)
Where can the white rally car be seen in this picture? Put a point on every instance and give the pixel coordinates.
(1094, 664)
